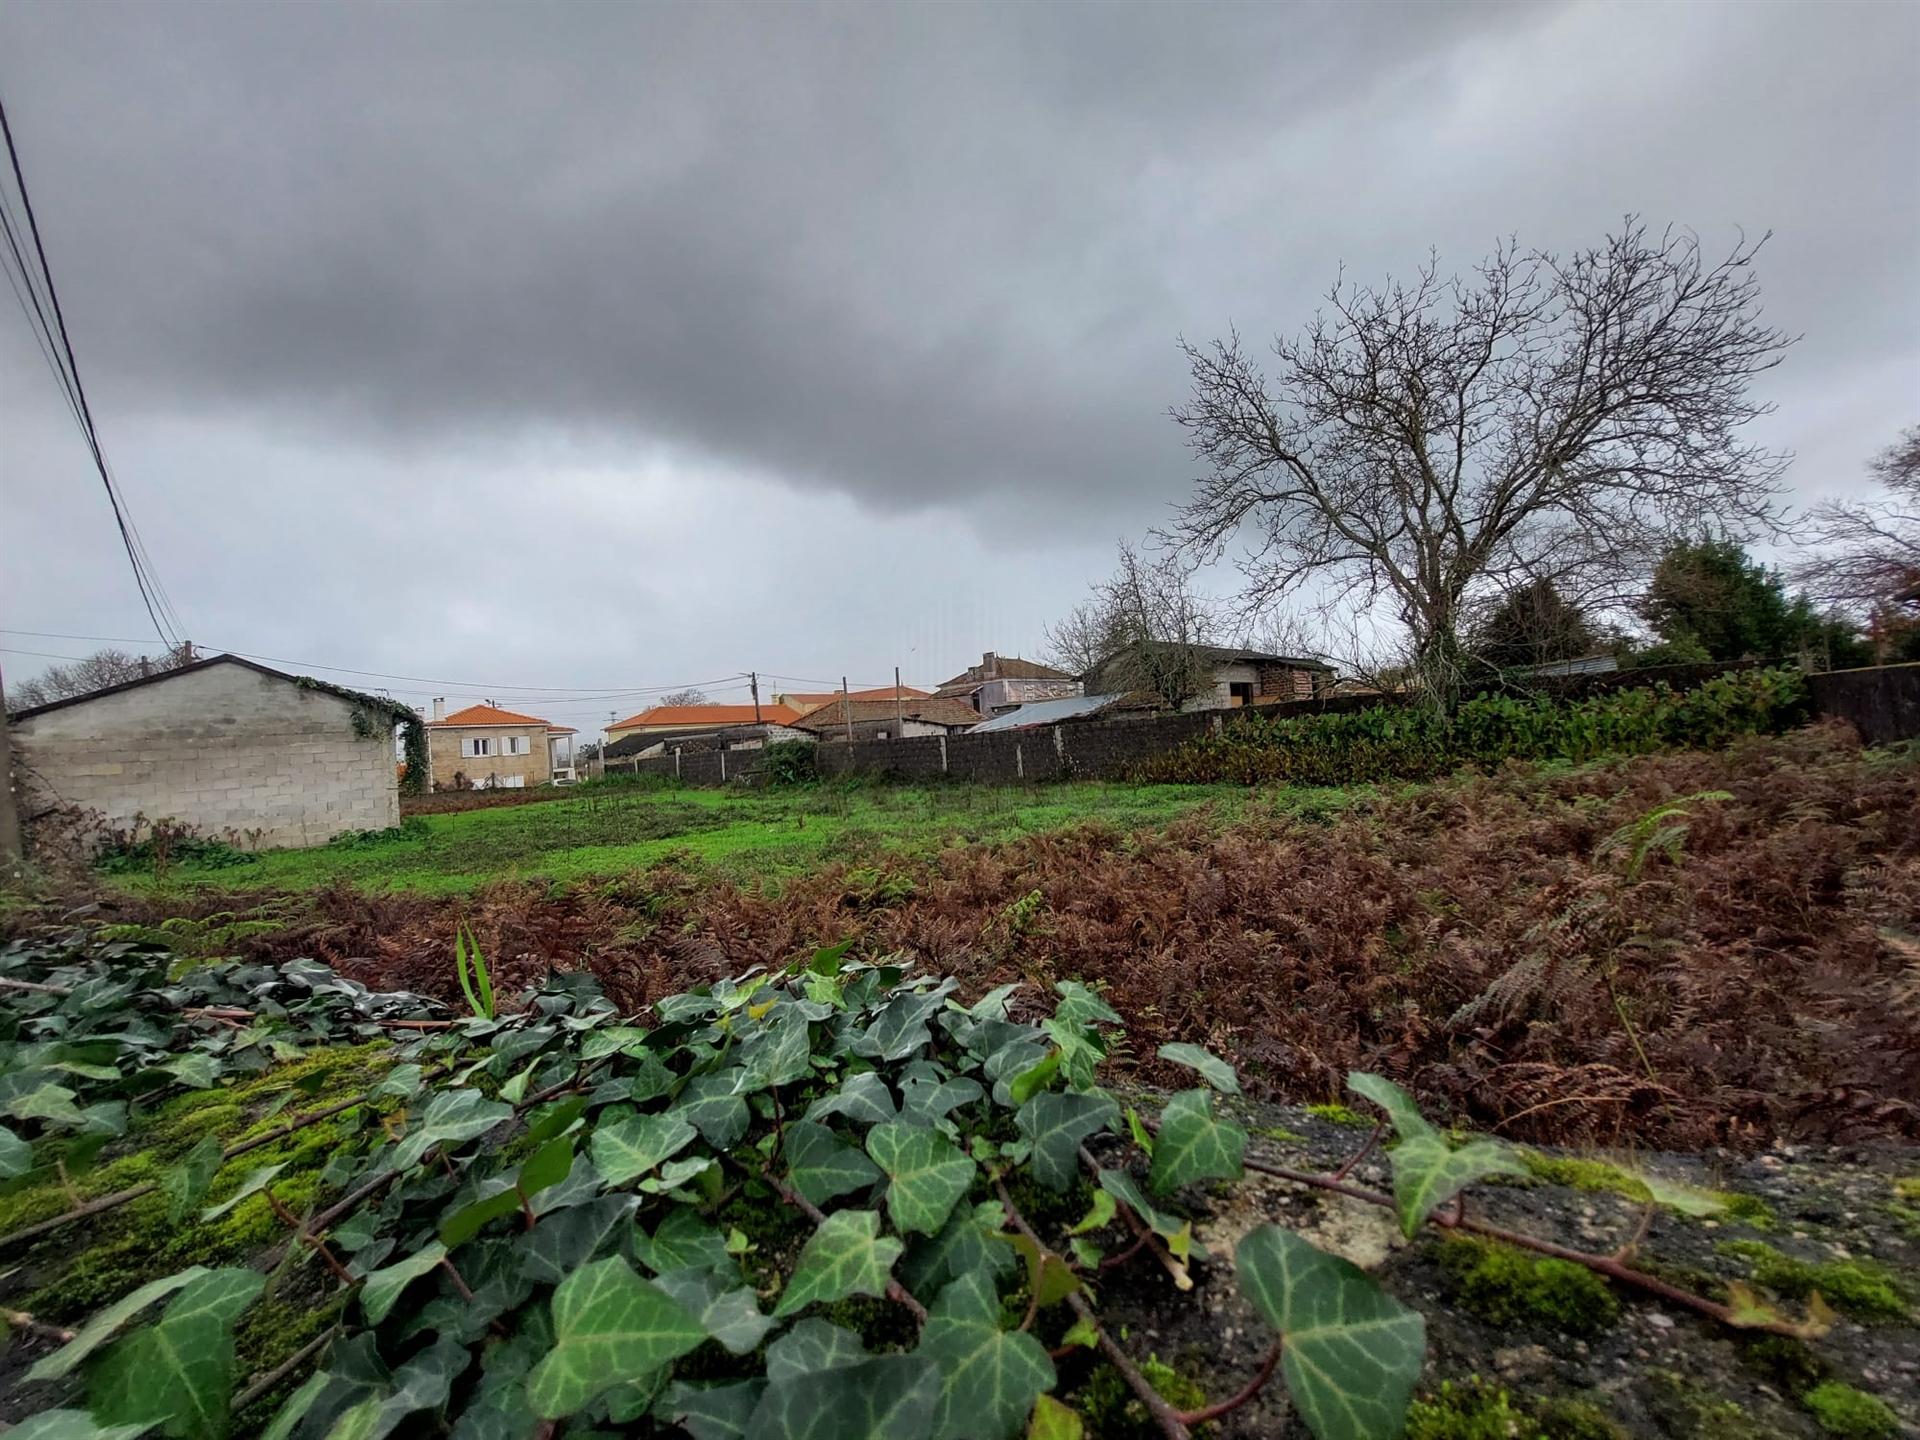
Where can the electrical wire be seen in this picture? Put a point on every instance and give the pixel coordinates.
(152, 595)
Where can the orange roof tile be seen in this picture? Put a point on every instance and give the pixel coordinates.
(706, 715)
(494, 715)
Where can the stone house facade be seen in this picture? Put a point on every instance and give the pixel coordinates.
(484, 747)
(235, 750)
(999, 683)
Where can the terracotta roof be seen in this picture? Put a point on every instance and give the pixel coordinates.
(662, 715)
(804, 701)
(932, 711)
(494, 715)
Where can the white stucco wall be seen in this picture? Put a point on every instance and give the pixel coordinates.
(222, 748)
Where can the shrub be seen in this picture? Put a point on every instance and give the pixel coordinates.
(789, 762)
(1417, 742)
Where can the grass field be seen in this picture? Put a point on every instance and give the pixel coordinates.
(739, 834)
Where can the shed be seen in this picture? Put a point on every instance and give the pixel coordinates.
(231, 748)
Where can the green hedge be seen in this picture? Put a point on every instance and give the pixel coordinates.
(1415, 742)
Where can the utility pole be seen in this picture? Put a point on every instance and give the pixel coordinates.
(899, 708)
(753, 679)
(846, 708)
(11, 849)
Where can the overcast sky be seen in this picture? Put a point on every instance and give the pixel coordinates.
(598, 347)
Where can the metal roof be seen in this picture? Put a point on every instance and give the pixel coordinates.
(1047, 712)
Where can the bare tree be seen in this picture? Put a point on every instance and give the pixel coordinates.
(98, 671)
(1868, 550)
(1551, 419)
(1145, 629)
(686, 697)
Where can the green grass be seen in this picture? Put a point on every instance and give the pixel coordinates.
(752, 834)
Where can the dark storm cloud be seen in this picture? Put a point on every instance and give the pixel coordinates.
(906, 253)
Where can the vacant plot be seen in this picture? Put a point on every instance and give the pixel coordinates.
(740, 834)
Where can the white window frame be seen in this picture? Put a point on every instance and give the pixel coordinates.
(519, 745)
(476, 747)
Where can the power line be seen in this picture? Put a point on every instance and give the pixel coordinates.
(151, 594)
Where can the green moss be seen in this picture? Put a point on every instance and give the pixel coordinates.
(1907, 1187)
(1509, 1287)
(1340, 1115)
(880, 1324)
(1112, 1412)
(1788, 1364)
(1582, 1174)
(1749, 1209)
(1279, 1134)
(1570, 1419)
(1859, 1288)
(1690, 1412)
(1842, 1410)
(1472, 1410)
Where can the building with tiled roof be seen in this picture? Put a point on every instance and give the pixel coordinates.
(485, 747)
(803, 701)
(888, 719)
(1001, 682)
(664, 720)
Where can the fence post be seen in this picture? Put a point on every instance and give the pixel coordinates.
(943, 754)
(1019, 763)
(723, 767)
(676, 762)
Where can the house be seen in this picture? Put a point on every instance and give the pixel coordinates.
(801, 701)
(888, 719)
(1071, 707)
(231, 748)
(486, 748)
(664, 720)
(1000, 682)
(1240, 677)
(644, 744)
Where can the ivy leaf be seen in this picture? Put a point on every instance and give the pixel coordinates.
(781, 1054)
(864, 1099)
(1406, 1116)
(1099, 1215)
(383, 1286)
(1054, 1421)
(884, 1397)
(1176, 1232)
(710, 1105)
(970, 1240)
(1352, 1353)
(556, 1119)
(179, 1372)
(925, 1101)
(496, 1197)
(16, 1155)
(682, 1241)
(1049, 1278)
(927, 1171)
(1035, 1078)
(453, 1117)
(99, 1329)
(1058, 1124)
(989, 1377)
(609, 1325)
(1194, 1145)
(185, 1185)
(564, 1241)
(43, 1101)
(731, 1316)
(845, 1256)
(813, 1345)
(1215, 1071)
(821, 1165)
(712, 1411)
(1427, 1172)
(73, 1425)
(1081, 1005)
(195, 1069)
(629, 1148)
(901, 1028)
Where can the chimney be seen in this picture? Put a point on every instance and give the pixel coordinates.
(989, 665)
(439, 707)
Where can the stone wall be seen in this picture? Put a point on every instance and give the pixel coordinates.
(222, 748)
(1883, 703)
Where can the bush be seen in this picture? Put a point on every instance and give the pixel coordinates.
(1417, 742)
(789, 762)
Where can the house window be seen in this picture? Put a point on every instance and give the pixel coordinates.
(1240, 692)
(476, 747)
(518, 744)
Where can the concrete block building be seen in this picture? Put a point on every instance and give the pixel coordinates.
(234, 749)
